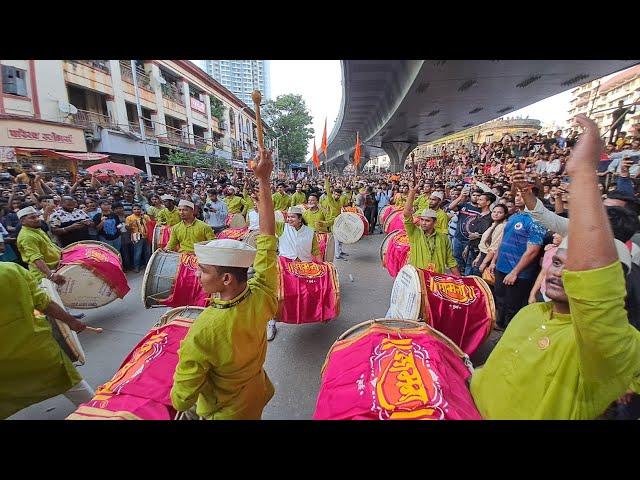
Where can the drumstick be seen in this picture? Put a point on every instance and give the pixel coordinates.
(257, 98)
(92, 329)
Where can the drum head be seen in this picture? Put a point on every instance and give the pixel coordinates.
(251, 238)
(96, 244)
(406, 294)
(330, 250)
(159, 277)
(390, 218)
(190, 313)
(237, 221)
(66, 338)
(387, 322)
(83, 289)
(384, 246)
(348, 227)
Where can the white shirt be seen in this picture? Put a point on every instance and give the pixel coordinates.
(254, 220)
(296, 243)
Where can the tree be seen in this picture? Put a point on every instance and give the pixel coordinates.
(290, 120)
(196, 159)
(217, 108)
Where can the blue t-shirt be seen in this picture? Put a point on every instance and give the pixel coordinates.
(520, 230)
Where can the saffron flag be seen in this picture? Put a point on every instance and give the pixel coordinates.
(316, 159)
(356, 153)
(323, 146)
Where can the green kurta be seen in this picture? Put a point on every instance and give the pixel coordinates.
(280, 201)
(34, 244)
(234, 204)
(442, 222)
(312, 218)
(153, 211)
(248, 203)
(32, 365)
(434, 250)
(332, 206)
(222, 357)
(187, 235)
(421, 202)
(572, 366)
(298, 198)
(166, 217)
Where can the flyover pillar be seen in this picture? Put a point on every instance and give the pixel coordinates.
(398, 153)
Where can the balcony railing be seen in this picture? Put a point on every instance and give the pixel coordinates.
(200, 142)
(88, 119)
(102, 65)
(172, 92)
(144, 81)
(135, 127)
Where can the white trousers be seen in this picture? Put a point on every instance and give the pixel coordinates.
(338, 246)
(80, 393)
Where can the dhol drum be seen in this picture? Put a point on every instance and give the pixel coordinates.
(233, 233)
(460, 307)
(394, 251)
(385, 212)
(326, 245)
(161, 235)
(170, 281)
(357, 210)
(308, 292)
(350, 227)
(94, 275)
(251, 237)
(395, 221)
(66, 338)
(394, 369)
(141, 388)
(236, 220)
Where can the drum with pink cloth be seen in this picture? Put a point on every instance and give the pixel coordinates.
(141, 388)
(161, 235)
(326, 245)
(170, 280)
(308, 292)
(394, 251)
(392, 369)
(395, 221)
(235, 220)
(386, 211)
(233, 233)
(94, 275)
(460, 307)
(349, 227)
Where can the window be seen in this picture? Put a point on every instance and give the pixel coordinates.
(14, 81)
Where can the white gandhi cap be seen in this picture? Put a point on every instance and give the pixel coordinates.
(225, 253)
(186, 203)
(26, 211)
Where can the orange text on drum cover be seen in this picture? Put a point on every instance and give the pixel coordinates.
(455, 291)
(306, 269)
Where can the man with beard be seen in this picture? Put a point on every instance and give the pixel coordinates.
(582, 338)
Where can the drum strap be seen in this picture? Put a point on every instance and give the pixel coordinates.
(223, 306)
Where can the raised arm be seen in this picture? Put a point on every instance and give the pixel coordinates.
(408, 208)
(266, 214)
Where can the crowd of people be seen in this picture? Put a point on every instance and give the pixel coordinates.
(499, 210)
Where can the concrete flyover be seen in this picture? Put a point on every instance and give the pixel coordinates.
(397, 104)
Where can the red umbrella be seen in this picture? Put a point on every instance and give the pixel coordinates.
(116, 168)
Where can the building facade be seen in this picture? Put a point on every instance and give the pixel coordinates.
(241, 77)
(91, 106)
(600, 98)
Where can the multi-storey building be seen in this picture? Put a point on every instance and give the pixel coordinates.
(241, 77)
(600, 98)
(80, 106)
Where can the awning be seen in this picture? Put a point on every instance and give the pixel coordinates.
(58, 154)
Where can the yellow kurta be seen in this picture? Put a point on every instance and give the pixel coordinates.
(222, 356)
(332, 206)
(187, 235)
(298, 198)
(33, 244)
(312, 218)
(166, 217)
(432, 252)
(572, 366)
(33, 367)
(248, 203)
(421, 202)
(442, 222)
(234, 204)
(280, 201)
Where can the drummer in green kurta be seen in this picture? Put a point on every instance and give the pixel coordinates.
(281, 201)
(247, 201)
(235, 204)
(36, 248)
(33, 367)
(298, 198)
(332, 202)
(220, 367)
(168, 215)
(316, 218)
(189, 231)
